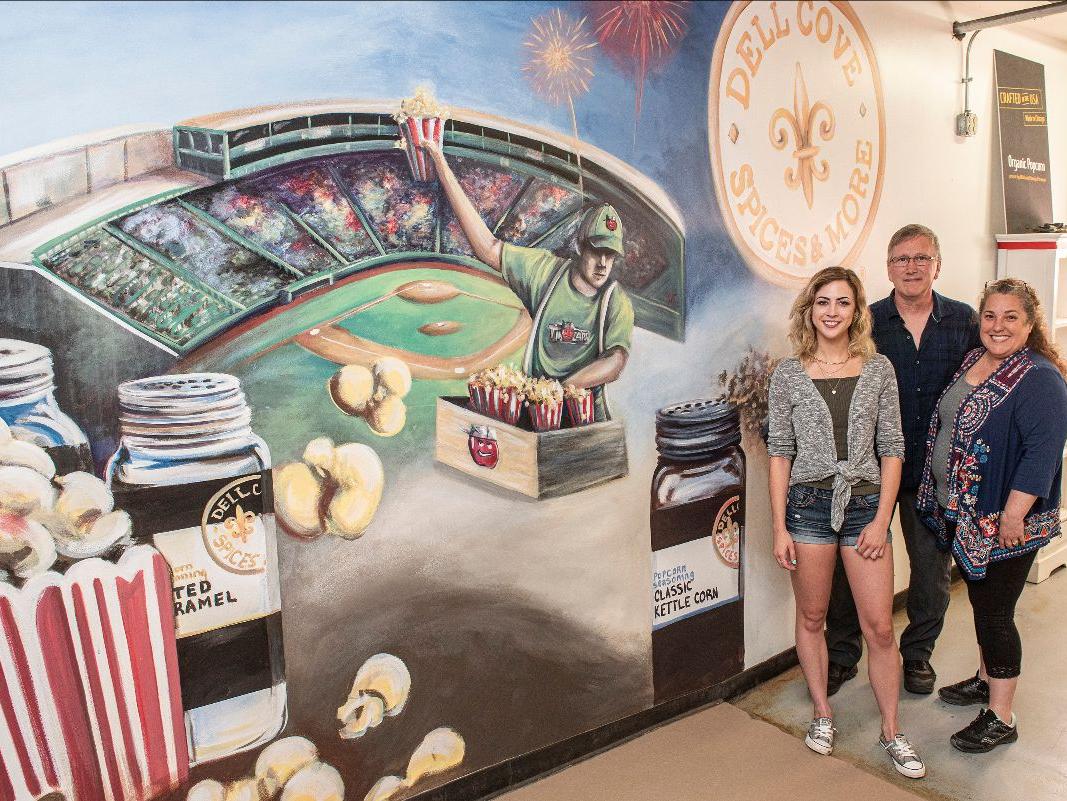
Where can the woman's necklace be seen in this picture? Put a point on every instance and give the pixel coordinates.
(829, 375)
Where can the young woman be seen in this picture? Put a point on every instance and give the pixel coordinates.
(991, 489)
(836, 452)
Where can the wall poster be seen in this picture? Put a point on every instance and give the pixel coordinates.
(1022, 115)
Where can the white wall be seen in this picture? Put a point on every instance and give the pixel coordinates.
(932, 176)
(949, 183)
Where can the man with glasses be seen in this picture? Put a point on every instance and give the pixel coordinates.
(925, 335)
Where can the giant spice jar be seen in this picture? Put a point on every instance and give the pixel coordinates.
(196, 482)
(28, 406)
(697, 517)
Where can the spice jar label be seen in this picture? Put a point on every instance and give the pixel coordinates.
(727, 532)
(207, 595)
(232, 528)
(689, 579)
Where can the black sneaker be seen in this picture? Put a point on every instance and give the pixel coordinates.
(919, 676)
(985, 733)
(964, 693)
(836, 675)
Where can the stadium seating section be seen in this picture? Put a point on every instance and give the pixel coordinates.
(185, 268)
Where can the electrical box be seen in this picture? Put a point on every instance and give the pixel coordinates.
(966, 123)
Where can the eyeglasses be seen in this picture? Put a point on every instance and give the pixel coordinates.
(922, 260)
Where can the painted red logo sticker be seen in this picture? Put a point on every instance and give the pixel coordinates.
(481, 441)
(610, 222)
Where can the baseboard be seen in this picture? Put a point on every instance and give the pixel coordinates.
(528, 767)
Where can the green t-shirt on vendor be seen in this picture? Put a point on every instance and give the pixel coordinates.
(566, 339)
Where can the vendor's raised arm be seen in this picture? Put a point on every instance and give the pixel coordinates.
(486, 246)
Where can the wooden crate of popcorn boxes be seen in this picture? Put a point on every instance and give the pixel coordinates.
(528, 435)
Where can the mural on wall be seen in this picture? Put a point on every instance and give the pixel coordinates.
(639, 38)
(351, 446)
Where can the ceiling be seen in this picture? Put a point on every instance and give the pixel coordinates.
(1052, 28)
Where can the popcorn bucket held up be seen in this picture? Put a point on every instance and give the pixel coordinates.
(90, 700)
(421, 118)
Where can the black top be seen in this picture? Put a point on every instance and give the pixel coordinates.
(837, 392)
(923, 372)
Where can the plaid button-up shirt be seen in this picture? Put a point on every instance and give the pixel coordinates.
(923, 372)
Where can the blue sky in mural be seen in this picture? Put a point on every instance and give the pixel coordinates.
(76, 67)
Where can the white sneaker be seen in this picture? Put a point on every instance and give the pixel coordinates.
(905, 760)
(820, 737)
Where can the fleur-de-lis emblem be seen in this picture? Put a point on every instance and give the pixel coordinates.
(241, 525)
(804, 122)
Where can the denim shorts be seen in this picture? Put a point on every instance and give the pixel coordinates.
(807, 516)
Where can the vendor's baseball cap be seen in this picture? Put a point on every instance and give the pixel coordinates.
(601, 227)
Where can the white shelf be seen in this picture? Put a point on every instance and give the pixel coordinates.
(1049, 558)
(1056, 238)
(1060, 322)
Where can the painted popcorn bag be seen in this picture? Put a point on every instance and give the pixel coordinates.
(89, 688)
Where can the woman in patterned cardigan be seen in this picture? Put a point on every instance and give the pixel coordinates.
(991, 489)
(836, 450)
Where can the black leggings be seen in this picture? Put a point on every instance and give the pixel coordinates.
(993, 600)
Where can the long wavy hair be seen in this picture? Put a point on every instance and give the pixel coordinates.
(1039, 340)
(801, 330)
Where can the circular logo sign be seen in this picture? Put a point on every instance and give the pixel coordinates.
(727, 532)
(232, 527)
(797, 135)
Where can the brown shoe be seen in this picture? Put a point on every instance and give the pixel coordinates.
(836, 675)
(919, 676)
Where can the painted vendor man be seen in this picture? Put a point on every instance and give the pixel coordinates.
(582, 319)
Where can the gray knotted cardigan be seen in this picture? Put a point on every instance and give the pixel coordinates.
(800, 428)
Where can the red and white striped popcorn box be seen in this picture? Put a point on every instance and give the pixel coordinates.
(546, 416)
(89, 688)
(581, 410)
(415, 130)
(505, 404)
(479, 397)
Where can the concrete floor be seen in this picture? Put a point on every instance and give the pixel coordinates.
(716, 753)
(1034, 768)
(752, 749)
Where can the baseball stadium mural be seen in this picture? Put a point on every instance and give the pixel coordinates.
(351, 447)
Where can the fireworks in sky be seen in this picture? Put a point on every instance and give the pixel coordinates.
(640, 35)
(560, 65)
